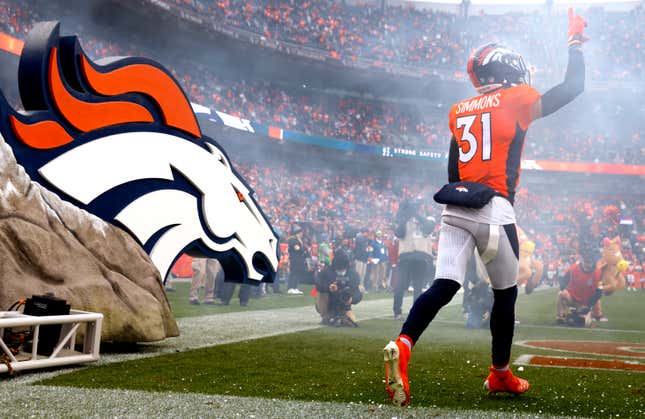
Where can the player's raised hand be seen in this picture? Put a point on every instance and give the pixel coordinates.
(577, 25)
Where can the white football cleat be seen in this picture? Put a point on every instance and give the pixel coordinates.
(396, 356)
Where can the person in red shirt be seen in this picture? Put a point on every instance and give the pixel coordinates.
(580, 288)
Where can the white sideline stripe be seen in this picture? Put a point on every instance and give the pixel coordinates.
(634, 349)
(523, 360)
(260, 322)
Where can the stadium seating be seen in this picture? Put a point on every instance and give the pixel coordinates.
(422, 37)
(377, 121)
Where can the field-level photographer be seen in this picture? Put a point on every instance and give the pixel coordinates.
(337, 289)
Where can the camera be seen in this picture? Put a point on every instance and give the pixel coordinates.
(343, 294)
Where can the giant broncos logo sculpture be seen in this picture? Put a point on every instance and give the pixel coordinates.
(119, 139)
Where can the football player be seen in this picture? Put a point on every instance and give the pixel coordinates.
(483, 171)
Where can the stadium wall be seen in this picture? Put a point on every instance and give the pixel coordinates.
(388, 152)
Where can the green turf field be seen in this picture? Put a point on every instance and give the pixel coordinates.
(448, 366)
(182, 308)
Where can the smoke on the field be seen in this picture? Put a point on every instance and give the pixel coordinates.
(612, 106)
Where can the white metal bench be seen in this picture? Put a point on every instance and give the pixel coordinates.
(64, 352)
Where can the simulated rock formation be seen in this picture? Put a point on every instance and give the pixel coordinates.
(49, 245)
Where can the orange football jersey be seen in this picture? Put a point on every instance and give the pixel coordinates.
(489, 131)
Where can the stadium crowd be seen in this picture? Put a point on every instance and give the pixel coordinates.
(425, 37)
(337, 208)
(348, 118)
(359, 119)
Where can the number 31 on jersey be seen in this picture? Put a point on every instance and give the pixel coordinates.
(474, 143)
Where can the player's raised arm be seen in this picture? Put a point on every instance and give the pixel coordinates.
(574, 79)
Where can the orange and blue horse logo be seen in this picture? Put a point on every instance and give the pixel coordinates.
(119, 139)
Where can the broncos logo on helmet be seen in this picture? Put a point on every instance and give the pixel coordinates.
(492, 66)
(118, 138)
